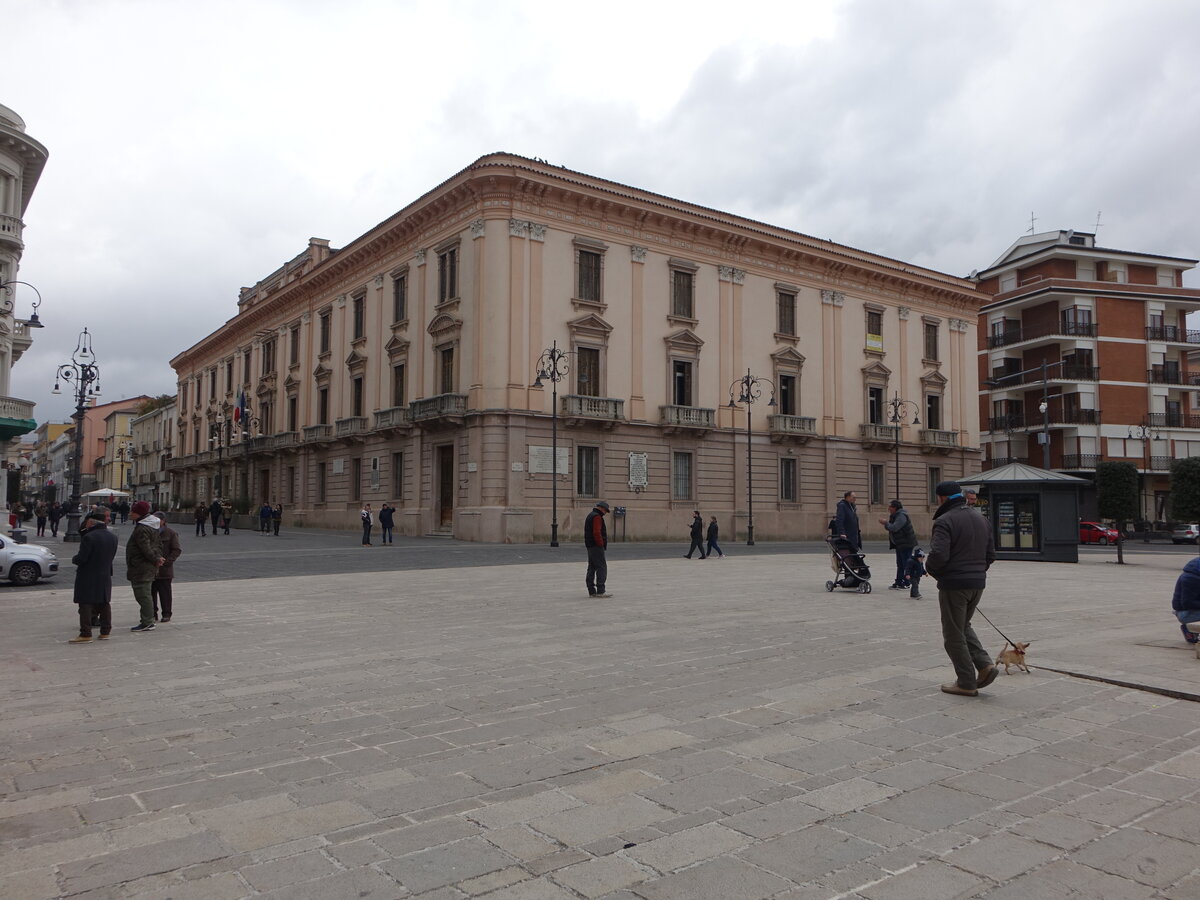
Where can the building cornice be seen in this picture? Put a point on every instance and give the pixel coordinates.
(1092, 289)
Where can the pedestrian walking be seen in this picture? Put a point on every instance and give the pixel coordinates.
(40, 511)
(697, 534)
(264, 518)
(56, 514)
(595, 539)
(143, 557)
(276, 518)
(160, 587)
(214, 511)
(902, 538)
(226, 515)
(846, 520)
(960, 554)
(386, 522)
(367, 522)
(200, 514)
(93, 578)
(123, 509)
(712, 539)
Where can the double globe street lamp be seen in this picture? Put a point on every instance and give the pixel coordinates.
(749, 389)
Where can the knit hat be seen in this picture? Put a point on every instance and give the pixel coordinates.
(141, 508)
(95, 516)
(948, 489)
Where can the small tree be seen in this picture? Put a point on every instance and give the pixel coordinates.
(1117, 497)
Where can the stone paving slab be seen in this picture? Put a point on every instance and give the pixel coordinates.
(726, 729)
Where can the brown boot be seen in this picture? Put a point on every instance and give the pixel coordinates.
(953, 687)
(986, 676)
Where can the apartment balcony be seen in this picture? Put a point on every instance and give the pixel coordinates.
(687, 418)
(283, 440)
(1006, 423)
(1042, 334)
(1004, 380)
(11, 228)
(1172, 375)
(934, 440)
(350, 428)
(317, 434)
(879, 435)
(998, 461)
(1161, 463)
(1172, 334)
(800, 429)
(391, 419)
(178, 463)
(442, 410)
(580, 410)
(1081, 460)
(1174, 420)
(1067, 417)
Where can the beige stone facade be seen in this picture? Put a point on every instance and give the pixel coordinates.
(402, 368)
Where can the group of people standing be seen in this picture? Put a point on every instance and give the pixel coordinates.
(220, 514)
(387, 521)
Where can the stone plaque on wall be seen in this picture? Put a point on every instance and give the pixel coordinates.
(540, 461)
(639, 470)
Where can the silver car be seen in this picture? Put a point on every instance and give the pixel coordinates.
(1185, 534)
(24, 564)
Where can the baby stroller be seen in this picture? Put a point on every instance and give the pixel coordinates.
(849, 565)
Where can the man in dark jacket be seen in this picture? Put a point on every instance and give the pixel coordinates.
(143, 557)
(697, 536)
(960, 554)
(595, 539)
(160, 587)
(846, 520)
(1186, 599)
(93, 577)
(214, 513)
(902, 537)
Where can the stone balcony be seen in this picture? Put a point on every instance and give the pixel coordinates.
(350, 427)
(442, 409)
(687, 418)
(799, 429)
(581, 410)
(934, 440)
(393, 418)
(873, 435)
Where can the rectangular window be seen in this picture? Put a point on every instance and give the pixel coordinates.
(787, 479)
(683, 294)
(399, 297)
(448, 275)
(933, 411)
(785, 304)
(183, 396)
(268, 357)
(587, 372)
(360, 316)
(681, 386)
(356, 396)
(681, 476)
(291, 489)
(246, 367)
(447, 370)
(876, 483)
(875, 414)
(292, 413)
(266, 417)
(398, 477)
(324, 331)
(323, 406)
(229, 374)
(588, 276)
(356, 479)
(294, 346)
(788, 395)
(398, 385)
(931, 341)
(933, 479)
(587, 471)
(212, 384)
(874, 330)
(321, 482)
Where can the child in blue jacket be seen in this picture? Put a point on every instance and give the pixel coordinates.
(913, 571)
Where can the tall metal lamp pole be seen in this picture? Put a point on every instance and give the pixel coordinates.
(899, 411)
(553, 366)
(749, 388)
(84, 373)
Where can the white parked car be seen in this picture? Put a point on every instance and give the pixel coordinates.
(1186, 534)
(24, 564)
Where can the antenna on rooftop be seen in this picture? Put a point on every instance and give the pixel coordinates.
(1032, 224)
(1096, 230)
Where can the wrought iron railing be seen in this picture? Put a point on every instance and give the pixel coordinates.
(1172, 333)
(1061, 329)
(1080, 460)
(1172, 375)
(1174, 420)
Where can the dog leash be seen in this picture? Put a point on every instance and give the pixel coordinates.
(993, 624)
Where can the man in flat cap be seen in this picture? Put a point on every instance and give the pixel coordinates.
(595, 539)
(93, 577)
(960, 554)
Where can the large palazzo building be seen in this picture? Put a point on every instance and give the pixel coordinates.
(404, 368)
(1083, 355)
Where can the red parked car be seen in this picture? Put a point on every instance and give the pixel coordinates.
(1095, 533)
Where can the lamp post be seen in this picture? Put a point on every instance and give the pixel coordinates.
(220, 434)
(1145, 433)
(749, 388)
(248, 427)
(899, 412)
(1043, 406)
(553, 366)
(7, 304)
(84, 373)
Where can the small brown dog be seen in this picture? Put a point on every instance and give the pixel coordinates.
(1013, 657)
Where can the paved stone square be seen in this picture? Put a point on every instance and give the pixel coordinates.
(723, 729)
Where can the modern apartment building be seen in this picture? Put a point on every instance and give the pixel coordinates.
(411, 366)
(1083, 357)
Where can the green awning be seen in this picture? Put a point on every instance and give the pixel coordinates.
(11, 428)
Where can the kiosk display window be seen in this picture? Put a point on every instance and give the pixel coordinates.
(1016, 518)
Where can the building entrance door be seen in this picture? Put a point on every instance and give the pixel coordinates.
(445, 471)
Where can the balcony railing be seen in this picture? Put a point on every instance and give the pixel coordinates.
(608, 409)
(800, 426)
(1061, 329)
(1173, 334)
(318, 433)
(998, 461)
(10, 228)
(1006, 423)
(1054, 372)
(1069, 417)
(933, 437)
(1080, 460)
(350, 425)
(1163, 375)
(879, 434)
(396, 417)
(438, 407)
(283, 439)
(12, 408)
(688, 417)
(1161, 463)
(1175, 420)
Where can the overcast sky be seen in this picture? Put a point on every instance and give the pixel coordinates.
(196, 146)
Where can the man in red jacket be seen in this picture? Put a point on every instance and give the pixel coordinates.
(595, 538)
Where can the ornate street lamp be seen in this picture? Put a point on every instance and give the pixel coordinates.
(1145, 433)
(899, 412)
(84, 373)
(749, 388)
(220, 435)
(7, 304)
(248, 426)
(552, 365)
